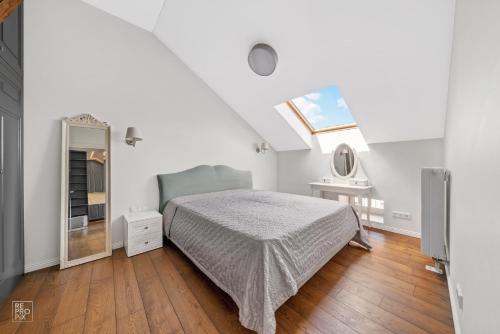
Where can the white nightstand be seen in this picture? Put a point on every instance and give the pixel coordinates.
(142, 232)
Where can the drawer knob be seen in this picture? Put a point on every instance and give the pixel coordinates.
(146, 227)
(146, 242)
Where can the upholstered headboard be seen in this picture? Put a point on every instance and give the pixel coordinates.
(201, 179)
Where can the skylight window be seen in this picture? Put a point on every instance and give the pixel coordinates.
(323, 111)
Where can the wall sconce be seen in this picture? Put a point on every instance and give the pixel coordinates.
(263, 148)
(133, 135)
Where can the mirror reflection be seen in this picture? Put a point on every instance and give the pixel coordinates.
(86, 192)
(344, 160)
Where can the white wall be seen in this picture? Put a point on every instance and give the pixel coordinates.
(81, 60)
(393, 168)
(472, 147)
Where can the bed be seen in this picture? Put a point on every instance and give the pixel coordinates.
(258, 246)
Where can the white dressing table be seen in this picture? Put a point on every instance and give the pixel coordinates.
(345, 189)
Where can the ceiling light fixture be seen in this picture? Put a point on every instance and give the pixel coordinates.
(262, 59)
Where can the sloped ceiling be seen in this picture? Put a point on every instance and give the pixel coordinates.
(142, 13)
(390, 58)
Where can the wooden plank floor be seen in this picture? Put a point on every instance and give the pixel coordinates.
(88, 241)
(384, 291)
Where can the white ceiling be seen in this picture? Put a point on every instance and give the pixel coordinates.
(142, 13)
(390, 58)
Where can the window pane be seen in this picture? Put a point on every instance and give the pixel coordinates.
(325, 108)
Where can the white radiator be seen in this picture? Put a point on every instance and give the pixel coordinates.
(435, 227)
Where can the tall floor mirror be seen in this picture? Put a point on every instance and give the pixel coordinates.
(85, 191)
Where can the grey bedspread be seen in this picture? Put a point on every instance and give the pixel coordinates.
(260, 246)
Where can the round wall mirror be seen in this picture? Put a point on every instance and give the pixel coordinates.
(344, 161)
(262, 59)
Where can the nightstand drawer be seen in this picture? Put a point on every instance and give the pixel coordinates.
(144, 244)
(143, 227)
(144, 235)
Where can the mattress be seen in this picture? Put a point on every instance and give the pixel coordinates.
(260, 247)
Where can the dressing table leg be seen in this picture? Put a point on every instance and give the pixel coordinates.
(369, 209)
(360, 207)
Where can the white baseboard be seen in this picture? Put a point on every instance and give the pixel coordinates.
(392, 229)
(52, 262)
(453, 301)
(40, 265)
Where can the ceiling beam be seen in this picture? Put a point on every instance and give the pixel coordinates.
(7, 7)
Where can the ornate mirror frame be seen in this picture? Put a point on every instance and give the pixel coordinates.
(84, 121)
(354, 167)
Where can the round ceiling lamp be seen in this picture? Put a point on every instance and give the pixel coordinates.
(262, 59)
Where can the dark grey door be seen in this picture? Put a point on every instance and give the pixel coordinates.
(11, 164)
(12, 249)
(10, 43)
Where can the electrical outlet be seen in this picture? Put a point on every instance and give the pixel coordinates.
(401, 215)
(460, 297)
